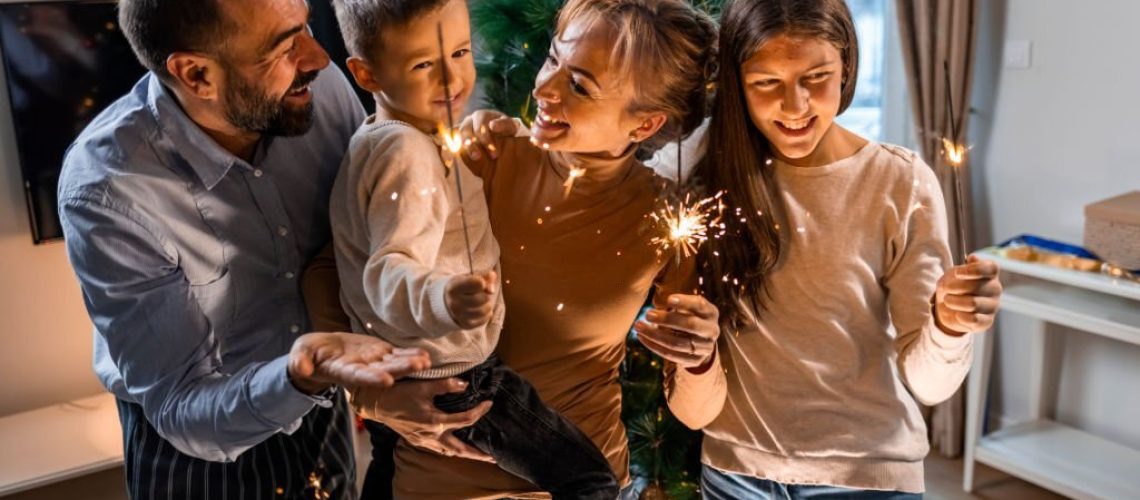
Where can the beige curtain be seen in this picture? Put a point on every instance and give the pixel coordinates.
(933, 34)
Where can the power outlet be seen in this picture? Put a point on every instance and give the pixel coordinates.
(1017, 54)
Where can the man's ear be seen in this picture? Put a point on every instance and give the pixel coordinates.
(650, 124)
(195, 74)
(362, 73)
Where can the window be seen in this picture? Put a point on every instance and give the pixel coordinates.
(879, 110)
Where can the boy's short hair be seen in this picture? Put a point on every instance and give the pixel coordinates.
(363, 22)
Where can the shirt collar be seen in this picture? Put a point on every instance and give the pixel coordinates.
(209, 161)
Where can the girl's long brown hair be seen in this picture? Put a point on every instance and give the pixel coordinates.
(735, 266)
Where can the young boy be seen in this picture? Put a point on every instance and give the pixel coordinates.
(402, 245)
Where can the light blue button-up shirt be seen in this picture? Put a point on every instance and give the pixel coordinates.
(190, 258)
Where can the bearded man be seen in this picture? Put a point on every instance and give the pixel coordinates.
(190, 207)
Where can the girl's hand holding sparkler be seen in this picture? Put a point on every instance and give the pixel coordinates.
(684, 334)
(967, 297)
(483, 133)
(470, 298)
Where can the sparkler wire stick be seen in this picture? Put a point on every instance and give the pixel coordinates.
(955, 153)
(453, 144)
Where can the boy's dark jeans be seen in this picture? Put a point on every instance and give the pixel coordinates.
(526, 437)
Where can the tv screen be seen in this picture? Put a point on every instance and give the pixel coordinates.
(65, 62)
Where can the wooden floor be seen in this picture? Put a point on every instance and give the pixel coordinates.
(944, 482)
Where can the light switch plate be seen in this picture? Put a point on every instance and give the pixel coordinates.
(1016, 54)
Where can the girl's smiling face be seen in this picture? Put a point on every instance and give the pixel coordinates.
(792, 86)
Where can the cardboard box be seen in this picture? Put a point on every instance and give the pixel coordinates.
(1112, 230)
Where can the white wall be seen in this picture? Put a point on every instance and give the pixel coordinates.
(1049, 140)
(45, 336)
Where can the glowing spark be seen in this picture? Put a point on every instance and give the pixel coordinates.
(568, 184)
(955, 153)
(395, 195)
(955, 156)
(686, 224)
(560, 305)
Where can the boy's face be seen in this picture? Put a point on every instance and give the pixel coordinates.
(407, 71)
(793, 86)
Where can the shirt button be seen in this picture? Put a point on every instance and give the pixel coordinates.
(290, 275)
(257, 172)
(294, 329)
(282, 230)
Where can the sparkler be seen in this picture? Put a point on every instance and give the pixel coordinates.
(454, 143)
(686, 226)
(955, 156)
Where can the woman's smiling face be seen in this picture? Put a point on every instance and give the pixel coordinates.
(582, 99)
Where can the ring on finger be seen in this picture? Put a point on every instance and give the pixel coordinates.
(692, 347)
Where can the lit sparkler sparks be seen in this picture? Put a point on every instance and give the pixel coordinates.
(573, 175)
(687, 224)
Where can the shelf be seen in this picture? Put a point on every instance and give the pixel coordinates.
(1080, 279)
(1066, 460)
(1104, 315)
(59, 442)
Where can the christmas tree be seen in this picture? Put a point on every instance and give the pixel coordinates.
(515, 36)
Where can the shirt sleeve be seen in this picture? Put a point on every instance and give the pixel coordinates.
(406, 215)
(320, 285)
(161, 342)
(695, 398)
(932, 363)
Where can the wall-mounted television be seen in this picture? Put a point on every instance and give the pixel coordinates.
(64, 62)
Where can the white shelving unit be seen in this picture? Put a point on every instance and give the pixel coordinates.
(59, 442)
(1069, 461)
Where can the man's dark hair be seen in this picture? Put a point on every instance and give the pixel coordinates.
(158, 28)
(362, 22)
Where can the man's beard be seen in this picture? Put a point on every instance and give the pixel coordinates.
(250, 108)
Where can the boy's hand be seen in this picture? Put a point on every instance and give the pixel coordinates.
(483, 134)
(470, 298)
(967, 297)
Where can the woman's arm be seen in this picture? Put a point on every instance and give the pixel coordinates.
(408, 409)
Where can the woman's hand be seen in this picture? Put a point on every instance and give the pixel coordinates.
(484, 132)
(409, 410)
(684, 334)
(967, 297)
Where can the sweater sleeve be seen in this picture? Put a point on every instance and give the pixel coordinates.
(932, 363)
(695, 398)
(406, 208)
